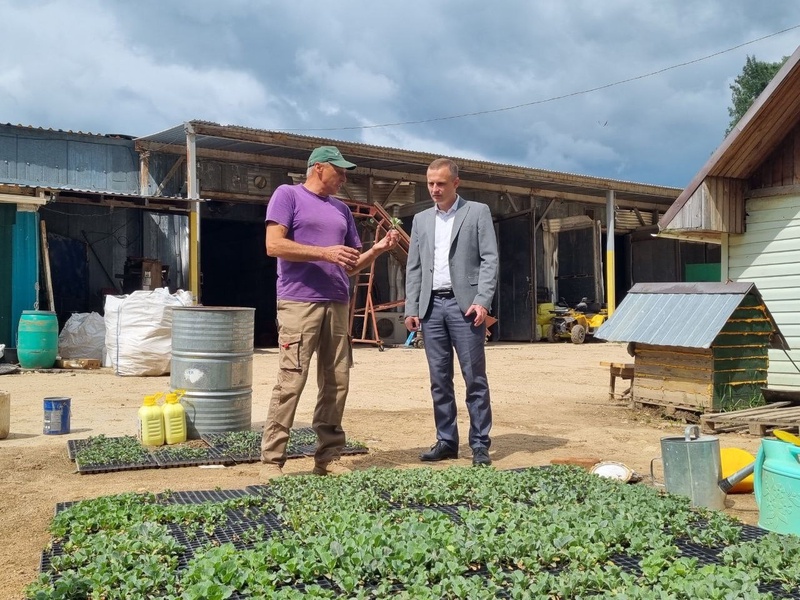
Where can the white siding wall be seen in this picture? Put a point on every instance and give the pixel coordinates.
(768, 254)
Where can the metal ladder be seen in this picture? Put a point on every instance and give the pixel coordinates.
(363, 325)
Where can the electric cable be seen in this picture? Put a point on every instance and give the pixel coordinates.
(546, 100)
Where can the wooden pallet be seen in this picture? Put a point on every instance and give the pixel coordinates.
(758, 421)
(77, 363)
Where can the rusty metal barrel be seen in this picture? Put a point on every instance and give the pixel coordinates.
(212, 360)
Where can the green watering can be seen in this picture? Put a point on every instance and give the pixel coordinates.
(776, 485)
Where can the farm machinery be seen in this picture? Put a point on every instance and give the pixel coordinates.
(575, 323)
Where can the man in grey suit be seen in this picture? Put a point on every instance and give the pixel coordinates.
(451, 278)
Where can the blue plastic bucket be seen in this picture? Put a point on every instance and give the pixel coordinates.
(37, 339)
(56, 416)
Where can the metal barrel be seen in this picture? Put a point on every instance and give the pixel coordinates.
(212, 360)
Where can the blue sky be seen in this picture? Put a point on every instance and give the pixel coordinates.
(401, 74)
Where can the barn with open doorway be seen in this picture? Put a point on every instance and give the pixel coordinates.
(552, 227)
(189, 203)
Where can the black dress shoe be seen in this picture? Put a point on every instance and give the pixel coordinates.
(480, 457)
(439, 451)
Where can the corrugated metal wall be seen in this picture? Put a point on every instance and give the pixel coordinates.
(25, 270)
(65, 159)
(768, 254)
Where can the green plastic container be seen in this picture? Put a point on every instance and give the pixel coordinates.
(37, 339)
(776, 484)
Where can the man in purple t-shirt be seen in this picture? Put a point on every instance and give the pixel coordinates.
(314, 237)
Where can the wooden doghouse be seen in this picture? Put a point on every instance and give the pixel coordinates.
(696, 346)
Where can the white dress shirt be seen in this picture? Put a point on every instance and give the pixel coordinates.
(443, 230)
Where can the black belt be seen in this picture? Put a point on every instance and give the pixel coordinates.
(444, 293)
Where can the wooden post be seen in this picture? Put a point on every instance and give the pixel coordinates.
(5, 414)
(48, 281)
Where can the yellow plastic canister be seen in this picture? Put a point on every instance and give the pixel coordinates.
(174, 418)
(151, 422)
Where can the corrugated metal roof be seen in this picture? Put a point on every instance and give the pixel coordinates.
(688, 315)
(70, 132)
(30, 194)
(66, 188)
(293, 147)
(177, 134)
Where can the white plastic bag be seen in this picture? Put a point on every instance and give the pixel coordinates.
(139, 330)
(83, 336)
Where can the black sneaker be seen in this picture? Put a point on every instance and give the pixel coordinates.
(480, 457)
(439, 451)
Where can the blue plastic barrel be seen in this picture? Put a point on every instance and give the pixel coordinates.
(56, 415)
(37, 339)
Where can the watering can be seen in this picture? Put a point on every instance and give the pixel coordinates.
(692, 468)
(777, 486)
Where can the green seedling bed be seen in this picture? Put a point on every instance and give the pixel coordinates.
(241, 446)
(108, 454)
(105, 454)
(240, 530)
(555, 532)
(245, 446)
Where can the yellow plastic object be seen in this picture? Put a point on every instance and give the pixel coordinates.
(785, 436)
(174, 418)
(151, 422)
(732, 460)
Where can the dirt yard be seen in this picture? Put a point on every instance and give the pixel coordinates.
(550, 401)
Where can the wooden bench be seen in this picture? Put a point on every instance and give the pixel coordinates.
(623, 371)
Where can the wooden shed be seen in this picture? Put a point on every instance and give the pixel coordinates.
(701, 347)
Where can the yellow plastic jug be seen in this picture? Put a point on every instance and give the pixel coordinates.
(151, 422)
(174, 418)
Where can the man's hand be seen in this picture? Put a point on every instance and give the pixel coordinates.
(388, 241)
(480, 313)
(344, 256)
(412, 323)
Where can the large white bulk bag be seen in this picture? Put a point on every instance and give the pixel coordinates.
(139, 330)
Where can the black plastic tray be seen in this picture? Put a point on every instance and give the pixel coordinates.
(211, 456)
(199, 497)
(147, 463)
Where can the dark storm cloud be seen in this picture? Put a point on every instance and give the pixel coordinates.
(339, 70)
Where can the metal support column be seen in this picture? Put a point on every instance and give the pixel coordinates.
(193, 193)
(611, 273)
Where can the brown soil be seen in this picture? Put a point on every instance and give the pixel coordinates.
(550, 401)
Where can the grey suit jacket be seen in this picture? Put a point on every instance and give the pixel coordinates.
(473, 258)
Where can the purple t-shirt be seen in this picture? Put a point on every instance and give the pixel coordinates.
(315, 221)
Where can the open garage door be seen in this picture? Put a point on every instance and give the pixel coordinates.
(515, 286)
(573, 256)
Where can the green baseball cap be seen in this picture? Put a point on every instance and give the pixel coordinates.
(329, 154)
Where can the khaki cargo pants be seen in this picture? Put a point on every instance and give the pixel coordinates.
(305, 328)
